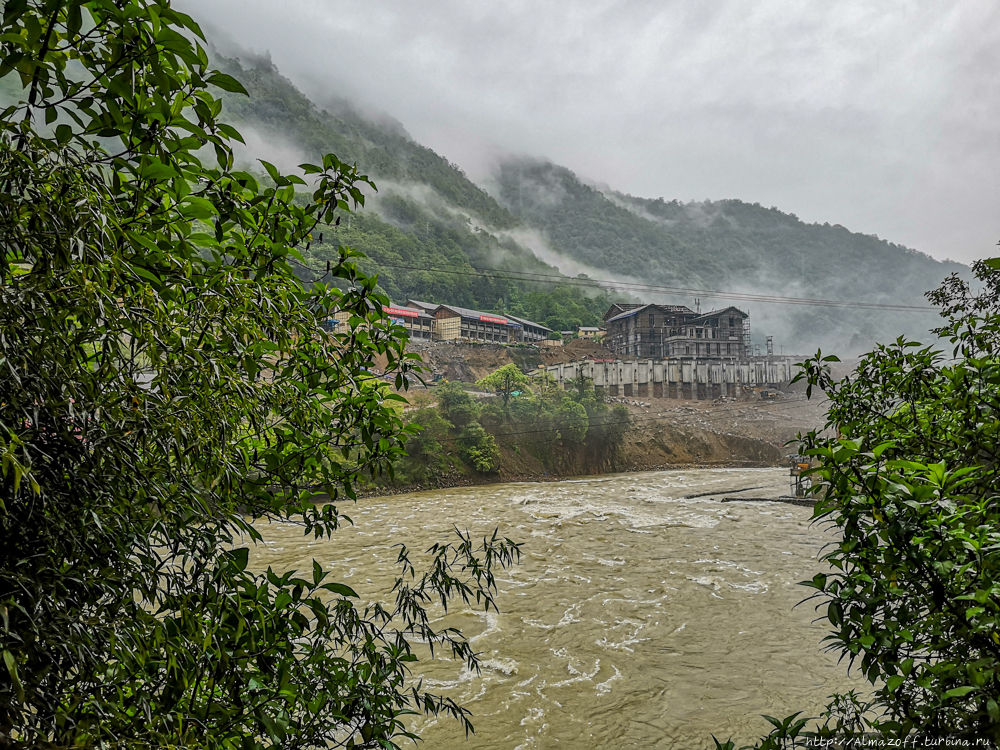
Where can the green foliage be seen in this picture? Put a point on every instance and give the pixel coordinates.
(505, 382)
(479, 449)
(729, 244)
(558, 428)
(912, 485)
(426, 451)
(456, 405)
(165, 385)
(909, 469)
(572, 419)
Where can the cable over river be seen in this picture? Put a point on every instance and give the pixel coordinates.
(639, 616)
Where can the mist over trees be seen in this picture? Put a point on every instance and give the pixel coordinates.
(730, 245)
(428, 215)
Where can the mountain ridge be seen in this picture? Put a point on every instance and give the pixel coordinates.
(439, 216)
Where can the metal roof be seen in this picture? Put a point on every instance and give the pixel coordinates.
(423, 305)
(465, 312)
(639, 308)
(721, 310)
(527, 322)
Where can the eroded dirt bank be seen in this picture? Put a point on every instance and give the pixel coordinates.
(665, 434)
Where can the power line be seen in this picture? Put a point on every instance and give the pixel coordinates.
(623, 286)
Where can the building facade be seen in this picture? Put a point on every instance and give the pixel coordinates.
(417, 322)
(453, 323)
(590, 333)
(531, 332)
(426, 321)
(659, 331)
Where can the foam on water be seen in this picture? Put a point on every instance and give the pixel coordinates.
(639, 616)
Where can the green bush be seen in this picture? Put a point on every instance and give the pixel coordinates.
(427, 450)
(166, 386)
(456, 405)
(572, 419)
(479, 449)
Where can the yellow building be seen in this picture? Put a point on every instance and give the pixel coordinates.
(588, 332)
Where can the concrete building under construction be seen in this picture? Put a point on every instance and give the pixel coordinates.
(660, 331)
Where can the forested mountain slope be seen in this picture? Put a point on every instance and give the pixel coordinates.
(423, 231)
(276, 108)
(429, 216)
(731, 245)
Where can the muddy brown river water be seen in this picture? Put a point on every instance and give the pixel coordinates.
(637, 618)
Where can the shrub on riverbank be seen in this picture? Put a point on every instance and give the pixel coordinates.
(545, 427)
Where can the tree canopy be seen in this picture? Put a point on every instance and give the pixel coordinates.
(164, 387)
(505, 382)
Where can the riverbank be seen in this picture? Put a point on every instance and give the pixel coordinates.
(662, 435)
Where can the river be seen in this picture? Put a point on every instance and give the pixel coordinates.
(638, 617)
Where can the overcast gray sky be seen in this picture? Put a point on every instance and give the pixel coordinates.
(883, 116)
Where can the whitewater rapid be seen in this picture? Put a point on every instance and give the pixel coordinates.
(639, 616)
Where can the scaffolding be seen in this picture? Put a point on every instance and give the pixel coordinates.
(747, 347)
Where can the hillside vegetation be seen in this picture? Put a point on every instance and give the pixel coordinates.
(429, 229)
(730, 245)
(423, 231)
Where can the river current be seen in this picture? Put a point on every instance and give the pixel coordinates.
(640, 616)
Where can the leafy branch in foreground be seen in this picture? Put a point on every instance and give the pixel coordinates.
(164, 386)
(909, 470)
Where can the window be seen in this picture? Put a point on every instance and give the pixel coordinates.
(651, 320)
(698, 333)
(732, 322)
(729, 348)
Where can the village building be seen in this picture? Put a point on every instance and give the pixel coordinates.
(418, 323)
(453, 323)
(532, 332)
(426, 321)
(659, 331)
(590, 333)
